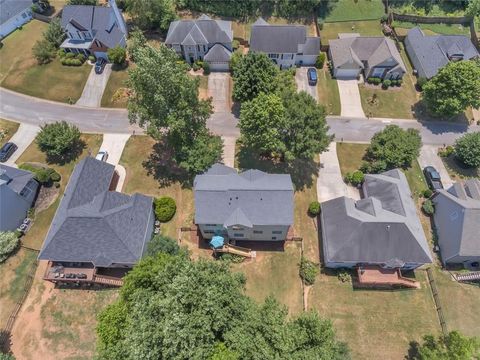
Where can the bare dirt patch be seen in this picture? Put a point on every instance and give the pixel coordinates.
(46, 197)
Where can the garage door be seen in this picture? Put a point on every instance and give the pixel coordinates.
(347, 73)
(218, 66)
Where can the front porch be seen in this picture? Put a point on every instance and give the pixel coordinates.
(82, 274)
(77, 46)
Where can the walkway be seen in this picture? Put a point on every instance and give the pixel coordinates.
(428, 157)
(94, 88)
(22, 138)
(114, 144)
(350, 98)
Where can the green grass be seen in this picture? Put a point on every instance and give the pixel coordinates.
(445, 29)
(457, 171)
(20, 72)
(446, 8)
(365, 28)
(114, 95)
(344, 10)
(9, 128)
(36, 235)
(327, 90)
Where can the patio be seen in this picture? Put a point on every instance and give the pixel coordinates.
(376, 277)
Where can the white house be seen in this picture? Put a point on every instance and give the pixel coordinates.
(13, 14)
(202, 39)
(286, 45)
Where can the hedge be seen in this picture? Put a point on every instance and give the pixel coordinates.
(165, 208)
(314, 208)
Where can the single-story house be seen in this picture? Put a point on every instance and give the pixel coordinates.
(13, 14)
(285, 45)
(430, 53)
(18, 190)
(457, 222)
(376, 56)
(382, 229)
(95, 228)
(251, 205)
(92, 30)
(202, 39)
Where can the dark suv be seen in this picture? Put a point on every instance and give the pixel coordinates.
(312, 76)
(100, 65)
(433, 178)
(7, 150)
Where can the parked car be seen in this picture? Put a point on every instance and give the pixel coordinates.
(433, 178)
(312, 76)
(102, 155)
(100, 65)
(7, 150)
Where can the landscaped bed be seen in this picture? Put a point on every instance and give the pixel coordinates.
(7, 129)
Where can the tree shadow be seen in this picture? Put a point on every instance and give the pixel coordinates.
(5, 341)
(301, 170)
(161, 165)
(421, 113)
(72, 154)
(412, 350)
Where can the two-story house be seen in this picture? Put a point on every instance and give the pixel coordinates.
(14, 14)
(18, 190)
(286, 45)
(92, 30)
(251, 205)
(202, 39)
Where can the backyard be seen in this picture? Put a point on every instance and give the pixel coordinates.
(402, 28)
(20, 72)
(330, 31)
(348, 10)
(327, 90)
(7, 128)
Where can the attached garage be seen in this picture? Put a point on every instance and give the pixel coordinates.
(218, 57)
(346, 73)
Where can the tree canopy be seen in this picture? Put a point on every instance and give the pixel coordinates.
(136, 40)
(454, 88)
(452, 346)
(149, 14)
(59, 140)
(164, 99)
(8, 243)
(393, 147)
(117, 55)
(467, 149)
(54, 33)
(173, 308)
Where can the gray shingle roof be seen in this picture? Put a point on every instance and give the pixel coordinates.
(457, 219)
(430, 53)
(223, 196)
(201, 31)
(381, 228)
(101, 20)
(10, 8)
(356, 49)
(218, 53)
(93, 224)
(282, 39)
(15, 179)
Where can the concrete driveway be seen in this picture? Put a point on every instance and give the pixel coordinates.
(114, 145)
(229, 150)
(94, 88)
(350, 98)
(428, 157)
(219, 91)
(302, 82)
(330, 184)
(22, 138)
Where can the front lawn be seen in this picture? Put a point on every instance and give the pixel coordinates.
(20, 72)
(7, 128)
(36, 235)
(365, 28)
(115, 95)
(457, 171)
(348, 10)
(327, 90)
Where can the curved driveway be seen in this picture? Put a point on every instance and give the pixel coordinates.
(30, 110)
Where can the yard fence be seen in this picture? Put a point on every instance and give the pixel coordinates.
(46, 18)
(6, 331)
(436, 299)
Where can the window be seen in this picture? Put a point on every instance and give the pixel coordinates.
(238, 235)
(257, 232)
(277, 232)
(208, 231)
(24, 15)
(210, 225)
(79, 35)
(236, 227)
(198, 47)
(274, 238)
(273, 56)
(204, 48)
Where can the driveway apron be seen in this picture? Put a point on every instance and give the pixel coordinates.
(22, 138)
(350, 98)
(114, 144)
(94, 88)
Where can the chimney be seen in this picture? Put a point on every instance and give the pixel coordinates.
(119, 17)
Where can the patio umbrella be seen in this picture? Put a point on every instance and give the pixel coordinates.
(217, 242)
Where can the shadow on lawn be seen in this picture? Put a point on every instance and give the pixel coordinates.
(421, 113)
(71, 155)
(300, 170)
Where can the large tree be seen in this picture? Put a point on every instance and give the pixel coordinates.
(454, 345)
(467, 149)
(393, 147)
(136, 41)
(174, 308)
(54, 33)
(59, 140)
(164, 99)
(253, 74)
(150, 14)
(454, 88)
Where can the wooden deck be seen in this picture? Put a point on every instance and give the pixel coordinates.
(82, 275)
(376, 277)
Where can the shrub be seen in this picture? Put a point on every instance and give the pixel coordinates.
(162, 244)
(235, 44)
(428, 207)
(92, 58)
(195, 66)
(8, 243)
(421, 81)
(314, 208)
(55, 176)
(446, 152)
(427, 193)
(386, 84)
(165, 208)
(61, 53)
(80, 57)
(344, 276)
(377, 81)
(43, 51)
(43, 176)
(370, 80)
(374, 167)
(69, 55)
(117, 55)
(399, 82)
(356, 178)
(308, 271)
(467, 149)
(320, 60)
(206, 68)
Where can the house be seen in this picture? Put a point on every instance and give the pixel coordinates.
(251, 205)
(457, 222)
(202, 39)
(18, 190)
(380, 230)
(96, 229)
(430, 53)
(92, 30)
(14, 14)
(285, 45)
(377, 56)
